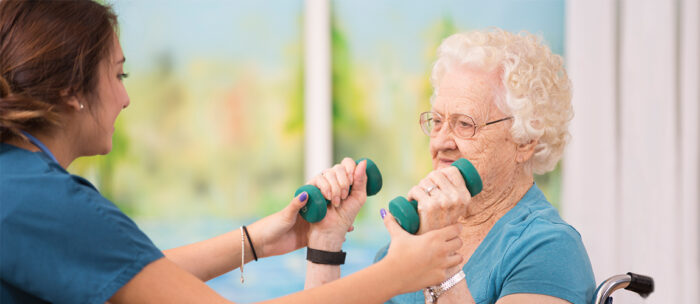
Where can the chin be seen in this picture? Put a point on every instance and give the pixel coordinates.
(105, 148)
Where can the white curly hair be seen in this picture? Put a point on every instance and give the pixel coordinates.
(536, 90)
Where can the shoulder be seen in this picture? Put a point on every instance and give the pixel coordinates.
(544, 237)
(50, 217)
(44, 196)
(543, 254)
(534, 219)
(536, 223)
(537, 236)
(32, 185)
(14, 160)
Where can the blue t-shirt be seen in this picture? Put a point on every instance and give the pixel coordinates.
(60, 240)
(529, 250)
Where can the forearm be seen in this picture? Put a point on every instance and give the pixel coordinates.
(374, 284)
(319, 274)
(213, 257)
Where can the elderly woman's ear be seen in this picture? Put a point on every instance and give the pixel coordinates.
(523, 152)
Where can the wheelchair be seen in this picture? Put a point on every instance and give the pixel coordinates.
(641, 284)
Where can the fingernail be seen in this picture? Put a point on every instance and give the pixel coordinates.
(382, 212)
(302, 196)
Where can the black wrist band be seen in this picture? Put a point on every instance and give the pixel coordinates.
(252, 248)
(325, 257)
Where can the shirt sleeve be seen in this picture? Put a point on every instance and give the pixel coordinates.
(68, 244)
(381, 253)
(549, 260)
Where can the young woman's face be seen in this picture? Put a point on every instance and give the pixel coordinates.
(110, 98)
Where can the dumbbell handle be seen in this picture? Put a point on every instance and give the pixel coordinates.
(316, 207)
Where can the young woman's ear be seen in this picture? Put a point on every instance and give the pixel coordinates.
(72, 101)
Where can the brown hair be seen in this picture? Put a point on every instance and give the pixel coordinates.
(49, 51)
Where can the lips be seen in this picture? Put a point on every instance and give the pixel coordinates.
(442, 162)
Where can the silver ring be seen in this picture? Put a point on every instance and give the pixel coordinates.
(429, 189)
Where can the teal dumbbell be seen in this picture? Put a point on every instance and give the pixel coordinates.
(316, 206)
(406, 212)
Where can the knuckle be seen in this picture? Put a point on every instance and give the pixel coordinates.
(330, 173)
(444, 204)
(322, 185)
(433, 174)
(413, 191)
(451, 170)
(428, 205)
(348, 163)
(454, 197)
(451, 173)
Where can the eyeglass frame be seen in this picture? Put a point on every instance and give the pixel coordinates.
(449, 123)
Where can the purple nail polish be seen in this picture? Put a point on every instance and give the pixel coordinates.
(382, 212)
(302, 196)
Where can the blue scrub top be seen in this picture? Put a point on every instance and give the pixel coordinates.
(60, 240)
(529, 250)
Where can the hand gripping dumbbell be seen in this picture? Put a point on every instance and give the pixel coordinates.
(316, 206)
(406, 212)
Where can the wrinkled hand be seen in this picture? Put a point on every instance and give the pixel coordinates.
(423, 260)
(335, 184)
(281, 232)
(446, 202)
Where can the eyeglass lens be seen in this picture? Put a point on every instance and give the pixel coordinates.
(462, 125)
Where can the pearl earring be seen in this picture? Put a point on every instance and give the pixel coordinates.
(82, 106)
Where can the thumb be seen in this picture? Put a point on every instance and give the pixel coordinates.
(296, 204)
(360, 177)
(391, 225)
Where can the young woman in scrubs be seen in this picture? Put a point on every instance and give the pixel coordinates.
(61, 71)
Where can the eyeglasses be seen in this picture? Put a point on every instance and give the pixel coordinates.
(462, 125)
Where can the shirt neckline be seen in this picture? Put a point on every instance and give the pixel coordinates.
(533, 194)
(40, 154)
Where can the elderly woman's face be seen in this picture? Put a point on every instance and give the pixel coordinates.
(492, 150)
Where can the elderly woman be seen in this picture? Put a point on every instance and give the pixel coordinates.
(502, 101)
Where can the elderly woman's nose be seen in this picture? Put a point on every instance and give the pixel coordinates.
(443, 139)
(446, 132)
